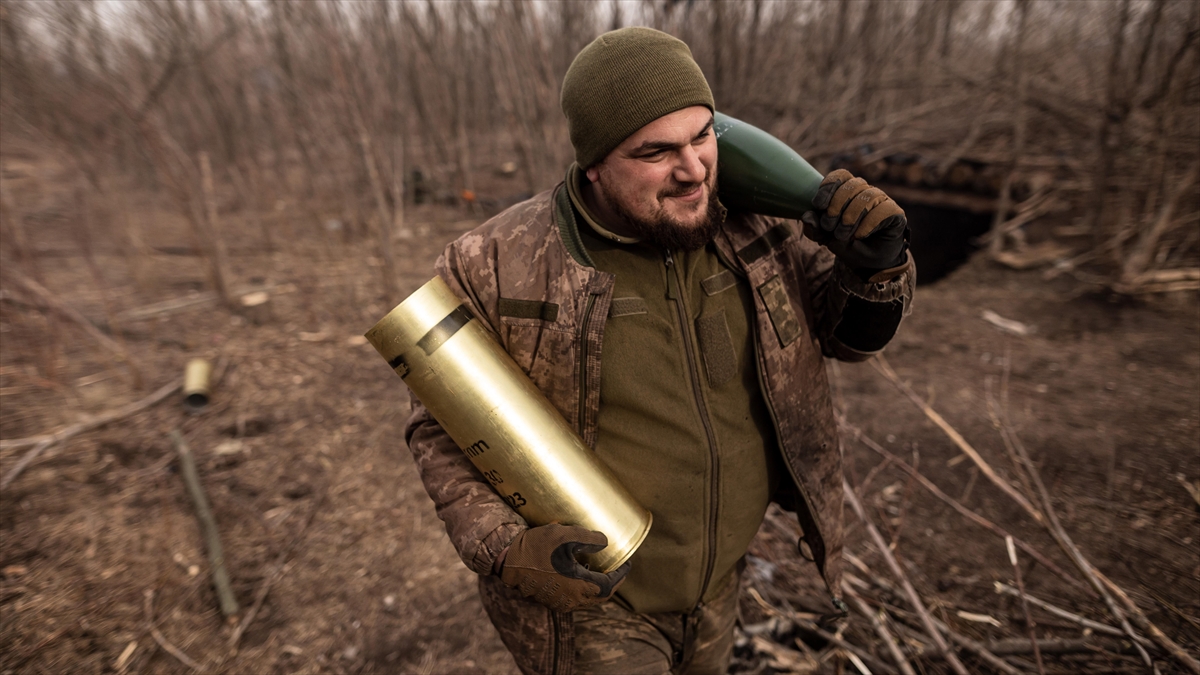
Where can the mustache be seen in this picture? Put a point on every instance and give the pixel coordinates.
(678, 190)
(681, 189)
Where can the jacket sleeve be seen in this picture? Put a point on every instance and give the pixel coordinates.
(855, 318)
(479, 523)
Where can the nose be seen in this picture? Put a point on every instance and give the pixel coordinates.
(690, 169)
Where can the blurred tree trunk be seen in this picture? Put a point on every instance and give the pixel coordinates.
(1111, 117)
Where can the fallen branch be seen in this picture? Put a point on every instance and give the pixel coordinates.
(885, 369)
(40, 443)
(176, 305)
(148, 605)
(957, 505)
(47, 301)
(966, 643)
(1050, 520)
(880, 630)
(208, 525)
(1021, 646)
(1085, 622)
(1093, 575)
(910, 592)
(1146, 625)
(1037, 653)
(820, 632)
(261, 595)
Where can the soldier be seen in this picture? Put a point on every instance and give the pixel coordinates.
(685, 344)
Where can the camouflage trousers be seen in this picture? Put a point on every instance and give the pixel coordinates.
(609, 639)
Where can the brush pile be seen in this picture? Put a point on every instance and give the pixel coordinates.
(888, 626)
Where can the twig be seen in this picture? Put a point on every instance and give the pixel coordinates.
(880, 630)
(40, 443)
(277, 573)
(1145, 624)
(1050, 522)
(909, 591)
(885, 369)
(1143, 250)
(148, 604)
(966, 643)
(957, 505)
(1096, 626)
(1012, 558)
(1171, 607)
(976, 648)
(820, 632)
(1092, 574)
(47, 301)
(1021, 646)
(176, 305)
(208, 524)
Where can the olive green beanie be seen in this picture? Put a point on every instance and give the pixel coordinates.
(621, 82)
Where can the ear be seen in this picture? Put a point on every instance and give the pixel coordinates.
(593, 174)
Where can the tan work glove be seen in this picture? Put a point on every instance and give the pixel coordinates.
(860, 224)
(541, 564)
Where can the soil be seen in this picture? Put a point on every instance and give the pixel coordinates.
(306, 425)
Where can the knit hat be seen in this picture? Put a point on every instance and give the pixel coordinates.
(621, 82)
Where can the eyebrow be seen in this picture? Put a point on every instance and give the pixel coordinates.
(654, 146)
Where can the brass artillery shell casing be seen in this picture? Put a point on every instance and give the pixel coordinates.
(196, 376)
(503, 423)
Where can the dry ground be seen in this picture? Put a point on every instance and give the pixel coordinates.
(306, 421)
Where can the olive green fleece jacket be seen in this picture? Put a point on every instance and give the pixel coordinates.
(682, 421)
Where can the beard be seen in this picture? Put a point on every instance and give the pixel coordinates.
(671, 233)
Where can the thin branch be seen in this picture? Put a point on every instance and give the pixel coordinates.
(819, 632)
(148, 606)
(48, 301)
(1095, 626)
(966, 643)
(40, 443)
(910, 592)
(1093, 575)
(275, 575)
(208, 525)
(958, 506)
(1012, 558)
(880, 629)
(885, 369)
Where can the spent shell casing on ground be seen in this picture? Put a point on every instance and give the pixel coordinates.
(197, 376)
(504, 424)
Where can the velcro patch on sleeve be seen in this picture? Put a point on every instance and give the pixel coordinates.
(627, 307)
(769, 240)
(719, 282)
(528, 309)
(716, 347)
(779, 307)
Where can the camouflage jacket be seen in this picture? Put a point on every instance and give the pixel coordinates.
(524, 274)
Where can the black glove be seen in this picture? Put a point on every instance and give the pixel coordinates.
(541, 564)
(860, 224)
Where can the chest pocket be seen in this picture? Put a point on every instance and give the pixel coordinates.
(779, 308)
(542, 347)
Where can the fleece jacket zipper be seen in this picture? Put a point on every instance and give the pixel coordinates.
(674, 284)
(583, 360)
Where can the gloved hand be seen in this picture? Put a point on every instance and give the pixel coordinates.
(859, 224)
(541, 564)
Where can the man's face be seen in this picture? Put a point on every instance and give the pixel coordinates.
(662, 180)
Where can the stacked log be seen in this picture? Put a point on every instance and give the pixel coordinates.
(935, 177)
